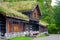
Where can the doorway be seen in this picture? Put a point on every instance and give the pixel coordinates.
(35, 27)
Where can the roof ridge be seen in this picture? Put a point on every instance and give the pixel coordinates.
(22, 5)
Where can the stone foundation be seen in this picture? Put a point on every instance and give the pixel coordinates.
(14, 34)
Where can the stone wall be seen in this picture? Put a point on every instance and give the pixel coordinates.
(14, 34)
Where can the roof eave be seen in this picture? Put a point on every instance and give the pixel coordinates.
(19, 18)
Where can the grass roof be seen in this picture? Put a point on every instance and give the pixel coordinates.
(12, 13)
(15, 0)
(43, 23)
(21, 5)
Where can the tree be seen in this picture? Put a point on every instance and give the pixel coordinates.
(47, 14)
(57, 15)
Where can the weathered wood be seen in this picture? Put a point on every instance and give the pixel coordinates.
(35, 15)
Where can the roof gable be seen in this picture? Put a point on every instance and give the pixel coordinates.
(21, 5)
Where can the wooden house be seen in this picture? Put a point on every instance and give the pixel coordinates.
(11, 21)
(43, 27)
(18, 17)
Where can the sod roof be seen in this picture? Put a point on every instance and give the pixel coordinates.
(21, 5)
(43, 23)
(12, 13)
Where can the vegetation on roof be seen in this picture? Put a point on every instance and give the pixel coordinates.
(43, 23)
(12, 13)
(15, 0)
(21, 5)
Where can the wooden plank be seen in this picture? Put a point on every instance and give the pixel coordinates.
(16, 28)
(9, 27)
(21, 27)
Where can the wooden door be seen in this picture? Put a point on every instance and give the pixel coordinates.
(16, 28)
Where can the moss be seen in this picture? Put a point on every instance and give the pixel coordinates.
(43, 23)
(21, 5)
(12, 13)
(11, 8)
(15, 0)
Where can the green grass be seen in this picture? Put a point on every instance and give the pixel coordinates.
(21, 38)
(21, 5)
(12, 13)
(42, 36)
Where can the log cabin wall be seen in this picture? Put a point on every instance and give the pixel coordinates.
(35, 15)
(21, 27)
(8, 26)
(14, 25)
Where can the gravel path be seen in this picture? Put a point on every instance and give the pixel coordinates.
(51, 37)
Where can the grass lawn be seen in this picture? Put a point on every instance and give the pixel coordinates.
(21, 38)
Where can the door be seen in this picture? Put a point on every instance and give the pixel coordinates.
(16, 28)
(35, 27)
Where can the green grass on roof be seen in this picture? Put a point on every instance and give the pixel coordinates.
(43, 23)
(12, 13)
(15, 0)
(21, 5)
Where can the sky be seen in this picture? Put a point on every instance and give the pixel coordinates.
(54, 2)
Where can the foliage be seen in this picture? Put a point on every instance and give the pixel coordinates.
(57, 15)
(48, 14)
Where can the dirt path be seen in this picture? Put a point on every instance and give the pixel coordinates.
(51, 37)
